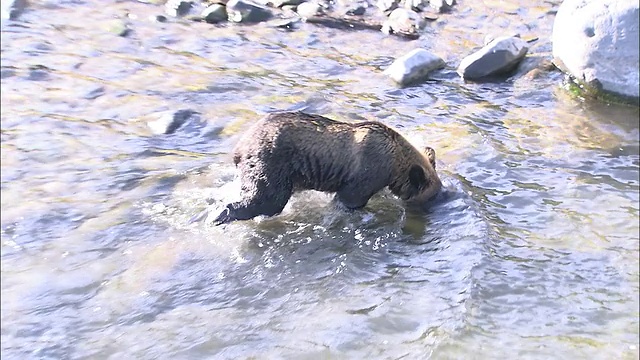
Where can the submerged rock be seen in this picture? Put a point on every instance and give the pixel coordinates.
(596, 42)
(118, 27)
(11, 9)
(247, 12)
(95, 93)
(169, 122)
(403, 21)
(501, 55)
(215, 13)
(413, 66)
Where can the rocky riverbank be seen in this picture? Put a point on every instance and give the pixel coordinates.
(596, 45)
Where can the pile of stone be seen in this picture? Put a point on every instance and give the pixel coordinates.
(405, 18)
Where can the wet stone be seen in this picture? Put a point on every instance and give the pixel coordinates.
(413, 66)
(284, 23)
(498, 57)
(177, 8)
(387, 5)
(441, 5)
(244, 11)
(215, 13)
(159, 18)
(169, 122)
(11, 9)
(358, 11)
(490, 37)
(118, 27)
(281, 3)
(38, 73)
(95, 93)
(596, 42)
(309, 9)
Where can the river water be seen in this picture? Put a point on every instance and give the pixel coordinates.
(533, 253)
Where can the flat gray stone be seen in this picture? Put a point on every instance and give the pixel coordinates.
(497, 57)
(281, 3)
(596, 42)
(413, 66)
(245, 11)
(215, 13)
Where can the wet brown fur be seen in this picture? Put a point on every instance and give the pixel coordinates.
(289, 151)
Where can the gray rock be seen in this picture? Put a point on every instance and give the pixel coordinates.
(169, 122)
(177, 8)
(387, 5)
(119, 27)
(414, 4)
(442, 5)
(215, 13)
(246, 11)
(309, 9)
(281, 3)
(596, 42)
(95, 93)
(158, 18)
(499, 56)
(11, 9)
(413, 66)
(356, 11)
(403, 21)
(289, 10)
(38, 73)
(490, 37)
(288, 23)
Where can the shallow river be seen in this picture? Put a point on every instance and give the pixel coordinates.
(534, 253)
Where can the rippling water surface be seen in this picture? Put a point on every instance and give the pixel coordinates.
(533, 253)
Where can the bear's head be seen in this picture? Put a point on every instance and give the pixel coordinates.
(421, 182)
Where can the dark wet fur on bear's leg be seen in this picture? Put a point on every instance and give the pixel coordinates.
(268, 202)
(339, 205)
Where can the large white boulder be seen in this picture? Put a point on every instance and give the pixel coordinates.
(597, 43)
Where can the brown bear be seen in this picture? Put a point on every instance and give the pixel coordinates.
(289, 151)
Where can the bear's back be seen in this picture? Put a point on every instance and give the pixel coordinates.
(319, 153)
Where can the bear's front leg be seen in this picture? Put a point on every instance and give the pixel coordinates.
(241, 210)
(354, 198)
(267, 203)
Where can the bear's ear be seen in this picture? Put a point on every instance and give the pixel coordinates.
(431, 155)
(418, 178)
